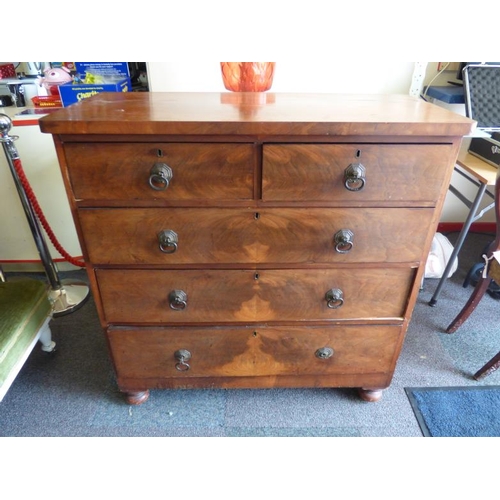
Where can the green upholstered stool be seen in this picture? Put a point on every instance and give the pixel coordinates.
(25, 312)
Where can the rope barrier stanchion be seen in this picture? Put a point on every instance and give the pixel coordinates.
(40, 215)
(66, 295)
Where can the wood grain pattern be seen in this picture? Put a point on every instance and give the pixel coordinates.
(200, 171)
(287, 114)
(256, 198)
(225, 296)
(253, 352)
(403, 173)
(232, 236)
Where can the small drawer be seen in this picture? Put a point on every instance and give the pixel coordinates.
(355, 173)
(163, 172)
(156, 353)
(230, 295)
(172, 236)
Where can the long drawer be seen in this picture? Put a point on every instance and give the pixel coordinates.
(194, 171)
(148, 353)
(225, 295)
(205, 236)
(319, 172)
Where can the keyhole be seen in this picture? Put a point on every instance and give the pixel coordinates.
(257, 215)
(358, 153)
(159, 153)
(257, 276)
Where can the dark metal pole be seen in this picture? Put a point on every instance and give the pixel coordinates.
(12, 154)
(71, 294)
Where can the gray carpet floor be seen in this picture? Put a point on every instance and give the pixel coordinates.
(73, 393)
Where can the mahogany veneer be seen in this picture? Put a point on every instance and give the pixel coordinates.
(255, 240)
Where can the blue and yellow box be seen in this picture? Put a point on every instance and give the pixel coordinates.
(92, 78)
(71, 92)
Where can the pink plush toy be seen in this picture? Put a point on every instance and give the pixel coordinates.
(53, 78)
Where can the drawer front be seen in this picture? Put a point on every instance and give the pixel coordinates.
(205, 236)
(124, 171)
(222, 296)
(239, 352)
(317, 172)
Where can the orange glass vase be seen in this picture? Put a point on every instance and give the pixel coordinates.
(247, 76)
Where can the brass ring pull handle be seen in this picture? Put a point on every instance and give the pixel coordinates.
(177, 300)
(324, 353)
(343, 240)
(160, 176)
(334, 298)
(168, 240)
(354, 177)
(182, 355)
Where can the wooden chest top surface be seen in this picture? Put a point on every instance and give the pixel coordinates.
(213, 113)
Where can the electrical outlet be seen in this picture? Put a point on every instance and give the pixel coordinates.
(417, 81)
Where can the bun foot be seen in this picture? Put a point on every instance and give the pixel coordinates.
(370, 395)
(137, 398)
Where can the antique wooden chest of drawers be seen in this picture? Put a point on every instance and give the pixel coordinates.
(255, 240)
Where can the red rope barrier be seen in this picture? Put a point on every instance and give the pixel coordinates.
(41, 217)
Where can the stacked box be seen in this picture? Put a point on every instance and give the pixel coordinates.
(110, 76)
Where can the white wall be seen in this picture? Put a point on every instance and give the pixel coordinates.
(294, 76)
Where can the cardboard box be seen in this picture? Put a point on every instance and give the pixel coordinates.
(108, 76)
(71, 93)
(108, 70)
